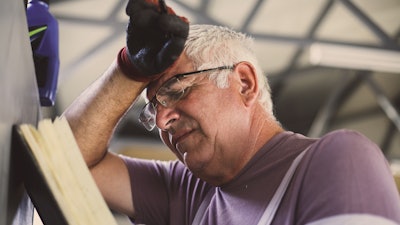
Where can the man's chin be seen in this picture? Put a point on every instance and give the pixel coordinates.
(193, 165)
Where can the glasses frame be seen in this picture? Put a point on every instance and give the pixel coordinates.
(149, 111)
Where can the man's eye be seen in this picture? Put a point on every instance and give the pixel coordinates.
(186, 91)
(175, 95)
(179, 94)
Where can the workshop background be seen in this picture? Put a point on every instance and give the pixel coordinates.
(331, 63)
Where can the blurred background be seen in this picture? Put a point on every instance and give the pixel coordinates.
(331, 63)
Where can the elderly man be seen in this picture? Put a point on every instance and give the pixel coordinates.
(212, 106)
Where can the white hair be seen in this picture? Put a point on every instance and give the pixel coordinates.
(211, 46)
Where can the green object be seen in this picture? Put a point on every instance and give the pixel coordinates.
(37, 30)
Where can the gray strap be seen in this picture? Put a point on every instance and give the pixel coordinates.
(270, 211)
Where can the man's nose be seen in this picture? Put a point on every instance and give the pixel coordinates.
(166, 116)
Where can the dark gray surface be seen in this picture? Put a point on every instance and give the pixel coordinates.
(19, 104)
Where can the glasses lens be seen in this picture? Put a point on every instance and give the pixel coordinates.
(148, 116)
(171, 92)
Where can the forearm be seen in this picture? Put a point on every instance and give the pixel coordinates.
(94, 115)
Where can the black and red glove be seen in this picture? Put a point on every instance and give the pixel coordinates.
(155, 39)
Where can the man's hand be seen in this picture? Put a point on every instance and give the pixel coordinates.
(155, 39)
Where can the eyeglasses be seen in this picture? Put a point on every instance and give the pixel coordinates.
(173, 90)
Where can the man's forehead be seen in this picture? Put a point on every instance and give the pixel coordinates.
(181, 65)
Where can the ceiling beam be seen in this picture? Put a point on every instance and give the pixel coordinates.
(252, 15)
(380, 33)
(328, 111)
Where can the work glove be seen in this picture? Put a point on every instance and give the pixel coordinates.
(155, 39)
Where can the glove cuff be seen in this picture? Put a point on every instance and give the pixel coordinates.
(129, 69)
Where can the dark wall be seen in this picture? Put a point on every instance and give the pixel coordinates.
(19, 104)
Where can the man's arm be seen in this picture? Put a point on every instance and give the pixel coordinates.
(93, 117)
(155, 40)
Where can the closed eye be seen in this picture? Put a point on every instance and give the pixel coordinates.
(175, 95)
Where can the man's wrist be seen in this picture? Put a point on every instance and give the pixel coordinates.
(128, 69)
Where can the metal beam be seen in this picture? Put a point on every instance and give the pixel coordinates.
(199, 13)
(387, 138)
(327, 112)
(384, 103)
(381, 34)
(252, 15)
(295, 57)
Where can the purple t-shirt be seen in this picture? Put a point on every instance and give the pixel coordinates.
(343, 173)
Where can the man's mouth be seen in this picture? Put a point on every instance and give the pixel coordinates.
(179, 137)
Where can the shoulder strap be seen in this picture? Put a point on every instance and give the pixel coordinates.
(270, 211)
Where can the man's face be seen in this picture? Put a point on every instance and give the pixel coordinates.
(203, 129)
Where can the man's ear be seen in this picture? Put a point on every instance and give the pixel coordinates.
(249, 87)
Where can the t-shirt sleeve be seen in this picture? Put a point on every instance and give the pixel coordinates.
(149, 186)
(347, 174)
(164, 192)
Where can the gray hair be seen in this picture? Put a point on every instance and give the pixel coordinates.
(211, 46)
